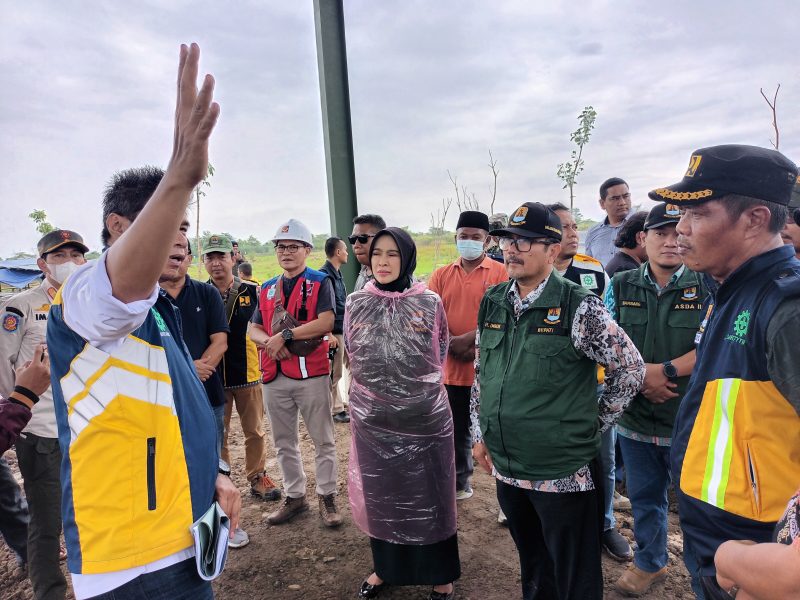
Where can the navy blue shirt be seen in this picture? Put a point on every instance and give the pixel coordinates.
(340, 293)
(203, 315)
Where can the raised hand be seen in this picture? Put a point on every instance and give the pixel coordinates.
(195, 117)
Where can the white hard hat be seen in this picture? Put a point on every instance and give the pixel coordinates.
(294, 230)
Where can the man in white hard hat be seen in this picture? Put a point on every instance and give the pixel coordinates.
(295, 313)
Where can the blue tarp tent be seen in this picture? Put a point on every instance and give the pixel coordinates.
(19, 272)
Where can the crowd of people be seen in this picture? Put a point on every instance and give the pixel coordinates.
(661, 357)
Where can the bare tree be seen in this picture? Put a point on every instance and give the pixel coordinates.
(772, 105)
(495, 172)
(465, 200)
(198, 192)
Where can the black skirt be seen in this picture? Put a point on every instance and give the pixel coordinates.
(431, 564)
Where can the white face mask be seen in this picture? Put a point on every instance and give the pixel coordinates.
(469, 249)
(59, 273)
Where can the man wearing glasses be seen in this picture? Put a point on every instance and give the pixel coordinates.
(364, 229)
(615, 199)
(536, 418)
(296, 306)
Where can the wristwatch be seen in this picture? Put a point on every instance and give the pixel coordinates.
(669, 370)
(733, 591)
(287, 334)
(224, 468)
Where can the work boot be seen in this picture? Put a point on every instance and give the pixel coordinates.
(289, 508)
(327, 511)
(261, 486)
(635, 582)
(616, 545)
(621, 502)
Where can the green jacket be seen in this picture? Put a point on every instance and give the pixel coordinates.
(662, 327)
(538, 414)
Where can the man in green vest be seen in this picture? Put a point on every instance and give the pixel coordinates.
(659, 305)
(536, 419)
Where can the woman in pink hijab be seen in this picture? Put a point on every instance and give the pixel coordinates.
(402, 470)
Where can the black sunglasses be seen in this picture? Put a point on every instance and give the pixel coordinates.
(361, 239)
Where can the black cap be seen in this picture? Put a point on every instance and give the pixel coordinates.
(60, 237)
(473, 218)
(532, 220)
(732, 169)
(795, 201)
(662, 214)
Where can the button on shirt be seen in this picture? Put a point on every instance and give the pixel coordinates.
(461, 294)
(600, 240)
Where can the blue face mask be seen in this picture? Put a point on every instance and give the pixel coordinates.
(469, 249)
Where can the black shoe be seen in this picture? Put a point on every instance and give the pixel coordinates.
(617, 546)
(341, 417)
(442, 595)
(369, 590)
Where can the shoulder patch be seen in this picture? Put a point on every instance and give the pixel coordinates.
(15, 311)
(589, 261)
(10, 322)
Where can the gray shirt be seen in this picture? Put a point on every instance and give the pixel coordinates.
(600, 241)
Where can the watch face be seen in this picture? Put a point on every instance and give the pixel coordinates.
(223, 466)
(670, 370)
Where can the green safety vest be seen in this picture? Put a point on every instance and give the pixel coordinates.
(538, 412)
(662, 327)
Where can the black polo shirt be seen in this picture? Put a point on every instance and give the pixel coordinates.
(203, 315)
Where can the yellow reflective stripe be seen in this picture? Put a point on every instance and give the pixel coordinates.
(720, 444)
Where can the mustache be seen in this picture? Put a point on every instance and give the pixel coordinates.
(511, 260)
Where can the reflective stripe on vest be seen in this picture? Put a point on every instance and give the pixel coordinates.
(720, 445)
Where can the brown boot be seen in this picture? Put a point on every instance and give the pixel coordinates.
(635, 582)
(289, 508)
(327, 511)
(262, 486)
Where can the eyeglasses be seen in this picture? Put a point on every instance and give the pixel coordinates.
(624, 197)
(361, 239)
(290, 249)
(521, 244)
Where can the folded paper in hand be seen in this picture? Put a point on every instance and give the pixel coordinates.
(210, 533)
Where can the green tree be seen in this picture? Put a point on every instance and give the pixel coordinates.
(568, 172)
(39, 217)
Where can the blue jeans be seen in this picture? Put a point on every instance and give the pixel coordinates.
(607, 456)
(178, 582)
(648, 478)
(219, 419)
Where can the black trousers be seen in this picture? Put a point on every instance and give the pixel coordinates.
(13, 513)
(558, 539)
(458, 395)
(40, 464)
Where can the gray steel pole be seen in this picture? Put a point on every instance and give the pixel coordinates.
(336, 124)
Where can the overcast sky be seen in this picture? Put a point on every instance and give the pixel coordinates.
(88, 89)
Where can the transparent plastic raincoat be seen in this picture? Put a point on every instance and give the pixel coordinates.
(402, 471)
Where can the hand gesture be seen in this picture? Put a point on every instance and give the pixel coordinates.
(35, 374)
(195, 117)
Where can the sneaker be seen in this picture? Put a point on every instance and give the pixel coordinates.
(327, 511)
(341, 417)
(464, 494)
(502, 519)
(616, 545)
(240, 539)
(635, 582)
(621, 502)
(289, 508)
(261, 486)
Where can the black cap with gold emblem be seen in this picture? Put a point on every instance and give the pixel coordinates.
(60, 237)
(662, 214)
(717, 171)
(532, 220)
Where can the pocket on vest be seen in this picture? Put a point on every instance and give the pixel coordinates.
(540, 357)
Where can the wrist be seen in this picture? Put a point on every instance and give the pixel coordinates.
(20, 399)
(24, 394)
(669, 370)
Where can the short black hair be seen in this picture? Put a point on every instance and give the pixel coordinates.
(609, 183)
(189, 247)
(331, 245)
(558, 206)
(128, 192)
(246, 269)
(626, 238)
(736, 204)
(369, 219)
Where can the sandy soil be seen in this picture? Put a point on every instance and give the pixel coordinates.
(304, 560)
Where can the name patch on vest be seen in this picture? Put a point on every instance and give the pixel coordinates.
(271, 293)
(686, 306)
(495, 326)
(631, 303)
(548, 330)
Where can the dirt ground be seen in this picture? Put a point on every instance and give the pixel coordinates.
(304, 560)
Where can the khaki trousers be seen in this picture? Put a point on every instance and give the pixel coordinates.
(250, 406)
(337, 405)
(285, 399)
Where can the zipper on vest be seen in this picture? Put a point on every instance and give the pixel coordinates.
(151, 473)
(500, 401)
(751, 469)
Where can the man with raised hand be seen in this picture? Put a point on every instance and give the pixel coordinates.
(137, 435)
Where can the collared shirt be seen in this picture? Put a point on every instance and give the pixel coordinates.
(598, 337)
(364, 277)
(339, 292)
(461, 294)
(622, 261)
(600, 240)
